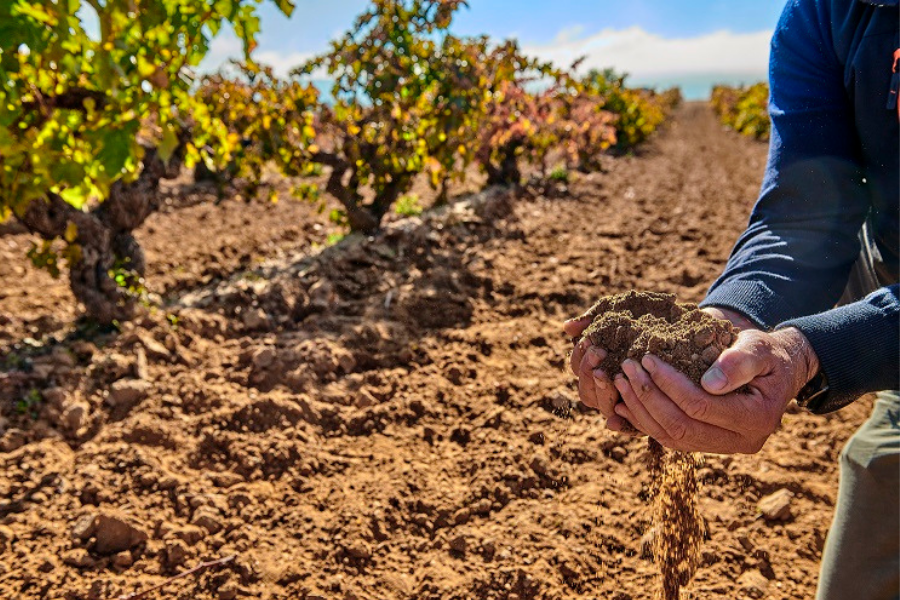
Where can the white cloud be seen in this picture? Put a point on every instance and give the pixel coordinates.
(227, 46)
(644, 54)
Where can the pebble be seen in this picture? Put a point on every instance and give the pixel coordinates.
(776, 506)
(79, 558)
(264, 357)
(459, 544)
(126, 392)
(115, 534)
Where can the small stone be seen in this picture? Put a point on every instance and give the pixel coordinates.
(482, 507)
(359, 550)
(154, 349)
(776, 506)
(458, 544)
(84, 527)
(710, 354)
(123, 559)
(176, 553)
(537, 438)
(79, 558)
(228, 591)
(141, 367)
(128, 392)
(462, 516)
(207, 518)
(618, 453)
(74, 416)
(562, 401)
(115, 534)
(189, 534)
(264, 357)
(255, 318)
(753, 583)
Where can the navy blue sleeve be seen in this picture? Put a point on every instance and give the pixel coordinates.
(858, 345)
(802, 239)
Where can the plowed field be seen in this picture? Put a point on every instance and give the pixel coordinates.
(389, 417)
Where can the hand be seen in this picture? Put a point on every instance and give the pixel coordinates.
(594, 387)
(663, 403)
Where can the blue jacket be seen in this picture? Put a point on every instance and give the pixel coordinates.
(833, 163)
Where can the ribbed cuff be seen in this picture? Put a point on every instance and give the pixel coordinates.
(753, 299)
(858, 346)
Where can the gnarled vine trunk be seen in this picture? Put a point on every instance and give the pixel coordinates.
(104, 236)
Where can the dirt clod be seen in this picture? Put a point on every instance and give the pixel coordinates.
(633, 324)
(776, 506)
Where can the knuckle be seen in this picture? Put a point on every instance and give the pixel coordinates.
(697, 408)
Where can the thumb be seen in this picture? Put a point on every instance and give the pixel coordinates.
(574, 327)
(736, 366)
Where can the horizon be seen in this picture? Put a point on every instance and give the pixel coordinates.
(690, 45)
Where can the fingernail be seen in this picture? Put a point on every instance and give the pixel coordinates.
(649, 363)
(629, 367)
(600, 382)
(621, 410)
(714, 379)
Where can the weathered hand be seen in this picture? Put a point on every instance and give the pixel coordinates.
(666, 405)
(594, 387)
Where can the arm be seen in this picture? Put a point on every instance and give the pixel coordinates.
(801, 241)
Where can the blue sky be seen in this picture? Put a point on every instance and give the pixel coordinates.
(658, 42)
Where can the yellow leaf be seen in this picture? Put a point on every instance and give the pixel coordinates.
(71, 232)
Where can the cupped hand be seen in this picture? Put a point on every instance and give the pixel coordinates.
(663, 403)
(594, 387)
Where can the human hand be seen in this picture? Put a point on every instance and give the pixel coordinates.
(594, 387)
(664, 404)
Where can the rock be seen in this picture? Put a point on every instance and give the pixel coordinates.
(562, 401)
(84, 527)
(208, 519)
(462, 516)
(458, 544)
(128, 392)
(359, 550)
(140, 364)
(74, 416)
(116, 366)
(255, 318)
(154, 349)
(753, 583)
(776, 506)
(123, 559)
(264, 357)
(189, 534)
(79, 558)
(482, 507)
(227, 591)
(176, 553)
(115, 534)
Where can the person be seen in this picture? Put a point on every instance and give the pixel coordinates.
(811, 282)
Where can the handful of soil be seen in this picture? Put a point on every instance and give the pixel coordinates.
(631, 325)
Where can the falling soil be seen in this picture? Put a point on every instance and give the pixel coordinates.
(631, 325)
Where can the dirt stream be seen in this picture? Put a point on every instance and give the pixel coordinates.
(384, 419)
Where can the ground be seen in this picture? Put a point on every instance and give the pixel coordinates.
(390, 417)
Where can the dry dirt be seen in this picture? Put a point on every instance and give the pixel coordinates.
(379, 420)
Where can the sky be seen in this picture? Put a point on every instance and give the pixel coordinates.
(691, 43)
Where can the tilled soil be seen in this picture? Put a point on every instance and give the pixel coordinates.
(382, 419)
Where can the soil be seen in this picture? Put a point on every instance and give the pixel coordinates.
(375, 420)
(633, 324)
